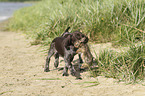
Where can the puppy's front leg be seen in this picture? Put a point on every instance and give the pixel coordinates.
(68, 58)
(69, 66)
(65, 71)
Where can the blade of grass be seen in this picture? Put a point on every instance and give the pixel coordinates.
(49, 79)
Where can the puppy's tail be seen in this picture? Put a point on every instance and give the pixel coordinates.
(67, 29)
(66, 32)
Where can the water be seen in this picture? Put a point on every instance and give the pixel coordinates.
(7, 9)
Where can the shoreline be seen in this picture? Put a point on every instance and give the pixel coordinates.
(3, 24)
(7, 11)
(3, 18)
(25, 2)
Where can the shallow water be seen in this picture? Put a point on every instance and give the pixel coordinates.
(8, 8)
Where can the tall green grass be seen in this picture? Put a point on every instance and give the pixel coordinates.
(125, 66)
(100, 20)
(16, 0)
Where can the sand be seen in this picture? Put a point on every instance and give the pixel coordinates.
(21, 74)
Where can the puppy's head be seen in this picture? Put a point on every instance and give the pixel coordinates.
(79, 38)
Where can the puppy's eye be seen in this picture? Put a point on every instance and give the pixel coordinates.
(78, 35)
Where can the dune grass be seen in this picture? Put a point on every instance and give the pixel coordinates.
(92, 83)
(49, 79)
(121, 21)
(125, 66)
(17, 0)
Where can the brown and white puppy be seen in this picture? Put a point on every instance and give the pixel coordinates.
(66, 47)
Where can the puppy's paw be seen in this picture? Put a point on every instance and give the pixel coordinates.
(65, 74)
(78, 78)
(73, 73)
(46, 70)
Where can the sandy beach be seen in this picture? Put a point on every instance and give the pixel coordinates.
(21, 74)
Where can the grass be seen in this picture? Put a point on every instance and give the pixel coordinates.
(100, 20)
(125, 66)
(87, 82)
(5, 92)
(94, 83)
(49, 79)
(17, 0)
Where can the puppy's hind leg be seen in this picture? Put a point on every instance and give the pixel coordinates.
(56, 63)
(50, 53)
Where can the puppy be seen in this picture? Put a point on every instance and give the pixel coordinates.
(66, 47)
(82, 49)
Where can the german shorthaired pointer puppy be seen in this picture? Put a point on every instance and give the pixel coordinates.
(65, 46)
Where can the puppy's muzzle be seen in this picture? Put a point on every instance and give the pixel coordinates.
(80, 42)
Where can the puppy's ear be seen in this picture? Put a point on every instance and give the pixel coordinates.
(72, 39)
